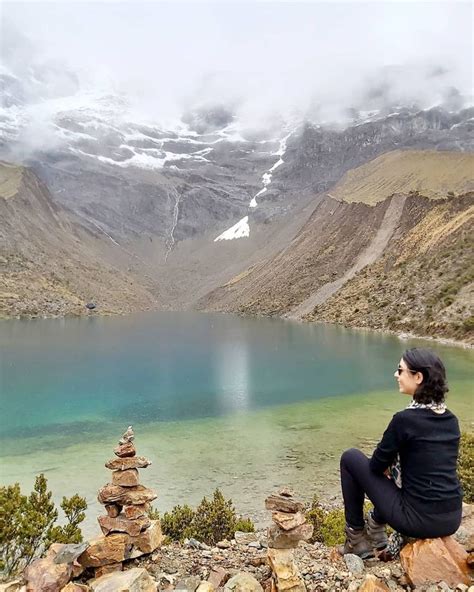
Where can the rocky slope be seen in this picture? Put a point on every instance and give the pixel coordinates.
(49, 263)
(407, 267)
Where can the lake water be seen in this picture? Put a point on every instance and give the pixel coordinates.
(243, 404)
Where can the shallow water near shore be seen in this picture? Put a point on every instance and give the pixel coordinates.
(246, 405)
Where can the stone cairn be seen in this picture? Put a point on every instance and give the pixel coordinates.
(128, 530)
(288, 529)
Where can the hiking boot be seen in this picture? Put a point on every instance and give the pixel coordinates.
(376, 533)
(356, 543)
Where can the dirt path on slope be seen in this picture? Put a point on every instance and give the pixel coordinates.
(367, 257)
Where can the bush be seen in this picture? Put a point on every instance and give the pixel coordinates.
(212, 521)
(466, 466)
(27, 524)
(177, 524)
(328, 524)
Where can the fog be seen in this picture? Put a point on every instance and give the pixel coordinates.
(265, 60)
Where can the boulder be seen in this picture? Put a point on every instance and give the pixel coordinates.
(354, 563)
(125, 496)
(465, 533)
(127, 478)
(288, 539)
(106, 550)
(43, 575)
(243, 582)
(73, 587)
(106, 569)
(205, 587)
(13, 586)
(285, 570)
(283, 503)
(428, 561)
(287, 521)
(148, 540)
(189, 584)
(373, 584)
(124, 463)
(245, 538)
(123, 524)
(218, 576)
(125, 450)
(134, 512)
(67, 553)
(133, 580)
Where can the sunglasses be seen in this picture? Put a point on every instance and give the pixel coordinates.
(400, 370)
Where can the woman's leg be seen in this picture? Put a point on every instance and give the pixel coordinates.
(357, 480)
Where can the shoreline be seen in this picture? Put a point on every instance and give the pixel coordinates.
(401, 335)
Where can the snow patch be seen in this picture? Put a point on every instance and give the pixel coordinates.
(239, 230)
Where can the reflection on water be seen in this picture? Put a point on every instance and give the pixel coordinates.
(216, 400)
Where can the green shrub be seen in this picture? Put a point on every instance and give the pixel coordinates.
(153, 513)
(466, 466)
(212, 521)
(27, 524)
(468, 324)
(177, 524)
(244, 525)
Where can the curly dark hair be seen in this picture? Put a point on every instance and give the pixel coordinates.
(434, 385)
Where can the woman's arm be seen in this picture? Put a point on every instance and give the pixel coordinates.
(388, 447)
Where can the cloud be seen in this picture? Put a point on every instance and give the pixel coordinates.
(264, 61)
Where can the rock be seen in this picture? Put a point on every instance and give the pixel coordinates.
(134, 512)
(465, 533)
(218, 576)
(127, 478)
(188, 584)
(373, 584)
(125, 496)
(354, 563)
(287, 539)
(105, 550)
(106, 569)
(282, 503)
(122, 464)
(122, 524)
(470, 559)
(133, 580)
(255, 545)
(285, 570)
(125, 450)
(73, 587)
(428, 561)
(258, 560)
(150, 539)
(68, 553)
(205, 587)
(287, 521)
(224, 544)
(113, 510)
(43, 575)
(243, 582)
(13, 586)
(245, 538)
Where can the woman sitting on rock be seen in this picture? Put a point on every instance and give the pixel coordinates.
(411, 478)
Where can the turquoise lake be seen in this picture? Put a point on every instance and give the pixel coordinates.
(243, 404)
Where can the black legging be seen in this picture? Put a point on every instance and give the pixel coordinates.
(390, 506)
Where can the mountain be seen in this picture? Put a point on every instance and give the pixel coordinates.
(50, 264)
(370, 256)
(204, 212)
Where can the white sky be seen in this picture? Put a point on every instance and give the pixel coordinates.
(266, 55)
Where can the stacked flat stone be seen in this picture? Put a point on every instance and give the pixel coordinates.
(288, 529)
(128, 530)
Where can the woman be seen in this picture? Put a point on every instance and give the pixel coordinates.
(426, 502)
